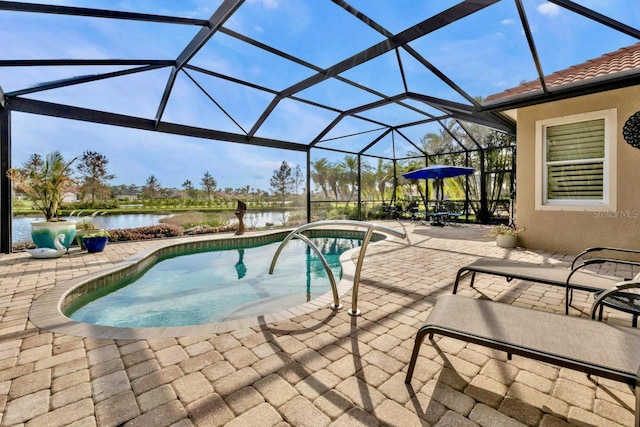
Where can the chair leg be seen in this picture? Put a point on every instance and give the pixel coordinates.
(568, 298)
(637, 413)
(416, 349)
(462, 273)
(459, 276)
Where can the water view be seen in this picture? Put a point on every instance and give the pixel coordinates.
(21, 226)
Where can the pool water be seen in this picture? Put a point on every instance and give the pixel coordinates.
(218, 285)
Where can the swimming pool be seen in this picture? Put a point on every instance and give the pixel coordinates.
(192, 286)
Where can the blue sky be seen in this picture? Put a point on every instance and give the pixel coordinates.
(483, 54)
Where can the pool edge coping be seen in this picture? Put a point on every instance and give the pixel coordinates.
(46, 310)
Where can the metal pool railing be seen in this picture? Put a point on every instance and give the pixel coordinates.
(365, 241)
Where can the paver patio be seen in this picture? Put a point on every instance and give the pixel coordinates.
(318, 369)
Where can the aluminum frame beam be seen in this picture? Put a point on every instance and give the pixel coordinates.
(219, 17)
(5, 183)
(98, 13)
(82, 79)
(421, 29)
(485, 115)
(87, 115)
(532, 45)
(598, 17)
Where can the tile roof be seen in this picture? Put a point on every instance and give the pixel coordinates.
(623, 59)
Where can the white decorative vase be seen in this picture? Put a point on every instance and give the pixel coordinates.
(507, 240)
(43, 233)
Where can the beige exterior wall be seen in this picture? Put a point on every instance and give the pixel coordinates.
(573, 231)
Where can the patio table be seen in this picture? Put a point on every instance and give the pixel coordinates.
(623, 301)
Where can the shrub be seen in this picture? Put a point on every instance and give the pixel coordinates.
(143, 233)
(95, 205)
(192, 219)
(504, 229)
(296, 219)
(206, 229)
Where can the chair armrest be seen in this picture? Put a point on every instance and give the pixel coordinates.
(601, 248)
(594, 261)
(618, 287)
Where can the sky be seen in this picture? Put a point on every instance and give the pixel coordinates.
(483, 54)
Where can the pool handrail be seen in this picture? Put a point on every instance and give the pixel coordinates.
(354, 311)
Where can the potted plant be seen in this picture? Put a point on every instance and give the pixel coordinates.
(506, 236)
(96, 241)
(44, 183)
(86, 226)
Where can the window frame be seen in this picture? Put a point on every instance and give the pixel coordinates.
(609, 190)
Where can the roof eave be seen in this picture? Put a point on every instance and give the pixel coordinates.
(568, 90)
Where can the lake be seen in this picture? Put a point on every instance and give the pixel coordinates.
(21, 226)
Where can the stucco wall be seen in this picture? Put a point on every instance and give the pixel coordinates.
(571, 231)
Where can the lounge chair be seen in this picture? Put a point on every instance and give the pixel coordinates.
(575, 277)
(596, 348)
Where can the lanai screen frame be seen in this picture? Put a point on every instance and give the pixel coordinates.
(474, 112)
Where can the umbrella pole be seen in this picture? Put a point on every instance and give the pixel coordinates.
(439, 190)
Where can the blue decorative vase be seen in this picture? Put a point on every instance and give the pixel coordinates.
(95, 244)
(43, 233)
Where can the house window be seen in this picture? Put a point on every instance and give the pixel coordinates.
(575, 162)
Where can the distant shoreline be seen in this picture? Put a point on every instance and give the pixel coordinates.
(153, 211)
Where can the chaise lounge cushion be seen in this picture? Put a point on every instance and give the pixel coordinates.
(583, 344)
(584, 280)
(569, 278)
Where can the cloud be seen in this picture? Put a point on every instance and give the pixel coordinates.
(269, 164)
(270, 4)
(508, 21)
(548, 9)
(267, 4)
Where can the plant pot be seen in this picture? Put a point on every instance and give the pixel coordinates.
(507, 240)
(95, 244)
(81, 233)
(43, 233)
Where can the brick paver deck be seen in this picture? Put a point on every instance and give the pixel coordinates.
(324, 368)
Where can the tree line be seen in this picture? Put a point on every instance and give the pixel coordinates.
(92, 182)
(381, 180)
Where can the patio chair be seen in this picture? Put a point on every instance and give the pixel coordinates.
(596, 348)
(575, 277)
(453, 211)
(411, 210)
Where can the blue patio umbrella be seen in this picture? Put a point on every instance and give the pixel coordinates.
(438, 172)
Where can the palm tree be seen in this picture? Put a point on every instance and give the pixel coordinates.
(410, 183)
(351, 174)
(383, 174)
(334, 177)
(319, 174)
(368, 185)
